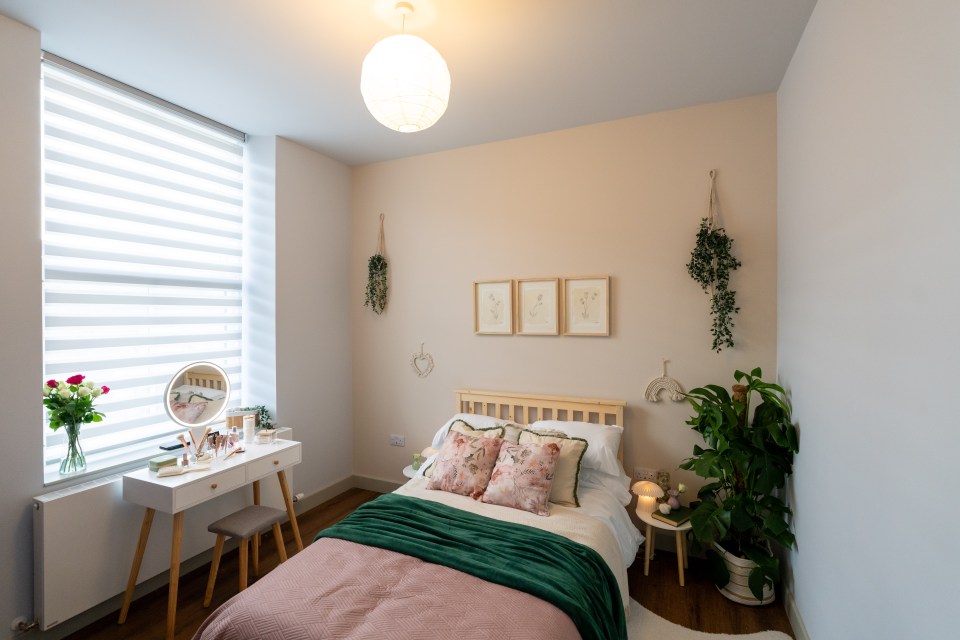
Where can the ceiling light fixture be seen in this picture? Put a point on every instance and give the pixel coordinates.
(404, 81)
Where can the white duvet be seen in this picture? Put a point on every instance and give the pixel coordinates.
(600, 523)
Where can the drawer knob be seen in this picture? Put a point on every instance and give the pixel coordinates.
(214, 485)
(276, 462)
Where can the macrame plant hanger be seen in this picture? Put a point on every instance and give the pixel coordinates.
(376, 293)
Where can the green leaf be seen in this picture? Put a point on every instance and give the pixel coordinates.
(717, 569)
(756, 581)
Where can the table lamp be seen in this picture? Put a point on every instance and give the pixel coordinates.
(647, 493)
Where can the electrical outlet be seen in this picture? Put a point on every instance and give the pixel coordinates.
(643, 473)
(397, 440)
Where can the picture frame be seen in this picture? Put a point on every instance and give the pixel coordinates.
(586, 306)
(493, 307)
(538, 303)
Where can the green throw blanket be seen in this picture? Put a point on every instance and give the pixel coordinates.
(566, 574)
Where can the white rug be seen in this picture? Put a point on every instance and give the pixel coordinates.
(645, 625)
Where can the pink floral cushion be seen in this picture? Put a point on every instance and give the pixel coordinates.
(188, 412)
(523, 477)
(464, 464)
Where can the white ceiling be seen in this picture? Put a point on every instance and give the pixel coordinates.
(518, 67)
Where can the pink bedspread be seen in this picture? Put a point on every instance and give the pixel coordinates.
(346, 591)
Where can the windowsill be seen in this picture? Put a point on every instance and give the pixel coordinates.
(102, 465)
(97, 469)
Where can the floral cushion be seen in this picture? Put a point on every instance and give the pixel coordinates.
(188, 412)
(462, 427)
(464, 464)
(523, 477)
(567, 480)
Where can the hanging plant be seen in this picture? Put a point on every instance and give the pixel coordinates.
(711, 262)
(376, 293)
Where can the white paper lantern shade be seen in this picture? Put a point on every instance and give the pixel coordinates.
(405, 83)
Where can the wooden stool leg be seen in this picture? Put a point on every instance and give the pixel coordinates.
(214, 567)
(278, 536)
(244, 550)
(686, 544)
(256, 555)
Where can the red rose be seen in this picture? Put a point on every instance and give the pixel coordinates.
(52, 383)
(77, 379)
(105, 389)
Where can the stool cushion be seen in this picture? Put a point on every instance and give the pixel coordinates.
(247, 521)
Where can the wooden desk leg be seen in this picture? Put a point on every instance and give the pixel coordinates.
(648, 544)
(174, 573)
(680, 556)
(287, 500)
(137, 560)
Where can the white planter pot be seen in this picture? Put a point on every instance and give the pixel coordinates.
(738, 589)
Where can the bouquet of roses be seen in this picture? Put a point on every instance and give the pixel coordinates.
(70, 401)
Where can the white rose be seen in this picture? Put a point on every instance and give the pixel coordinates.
(96, 392)
(83, 392)
(664, 509)
(46, 389)
(65, 394)
(62, 385)
(681, 487)
(87, 383)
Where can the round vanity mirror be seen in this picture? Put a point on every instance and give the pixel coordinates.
(197, 395)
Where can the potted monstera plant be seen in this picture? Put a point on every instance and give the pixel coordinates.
(741, 516)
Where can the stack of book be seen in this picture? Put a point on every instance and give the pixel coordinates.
(676, 517)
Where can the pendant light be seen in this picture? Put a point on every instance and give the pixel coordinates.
(404, 81)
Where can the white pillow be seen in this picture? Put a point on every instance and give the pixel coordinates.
(185, 391)
(618, 487)
(478, 421)
(604, 441)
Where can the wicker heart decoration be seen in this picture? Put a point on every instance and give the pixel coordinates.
(422, 363)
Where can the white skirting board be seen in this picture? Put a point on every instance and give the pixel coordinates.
(793, 614)
(85, 536)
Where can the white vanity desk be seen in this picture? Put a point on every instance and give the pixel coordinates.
(174, 494)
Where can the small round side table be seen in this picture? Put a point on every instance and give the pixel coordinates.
(681, 534)
(409, 472)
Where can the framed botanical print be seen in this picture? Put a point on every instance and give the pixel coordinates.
(586, 306)
(493, 307)
(537, 304)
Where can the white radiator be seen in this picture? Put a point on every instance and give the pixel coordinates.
(85, 536)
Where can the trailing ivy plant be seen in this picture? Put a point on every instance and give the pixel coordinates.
(376, 293)
(376, 283)
(710, 265)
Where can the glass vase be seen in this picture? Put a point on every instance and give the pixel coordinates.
(73, 461)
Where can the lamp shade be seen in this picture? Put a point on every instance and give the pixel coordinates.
(405, 83)
(647, 493)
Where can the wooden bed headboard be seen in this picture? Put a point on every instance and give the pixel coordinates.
(212, 380)
(525, 408)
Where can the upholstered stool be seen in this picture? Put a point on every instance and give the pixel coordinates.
(244, 524)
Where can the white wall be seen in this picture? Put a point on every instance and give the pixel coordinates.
(21, 456)
(869, 159)
(623, 198)
(312, 312)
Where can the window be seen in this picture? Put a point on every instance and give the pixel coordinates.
(142, 263)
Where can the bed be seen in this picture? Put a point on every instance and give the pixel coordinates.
(429, 563)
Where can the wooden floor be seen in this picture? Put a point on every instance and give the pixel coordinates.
(698, 605)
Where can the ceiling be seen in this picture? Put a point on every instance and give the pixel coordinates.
(518, 67)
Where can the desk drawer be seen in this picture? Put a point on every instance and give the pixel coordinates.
(208, 487)
(273, 463)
